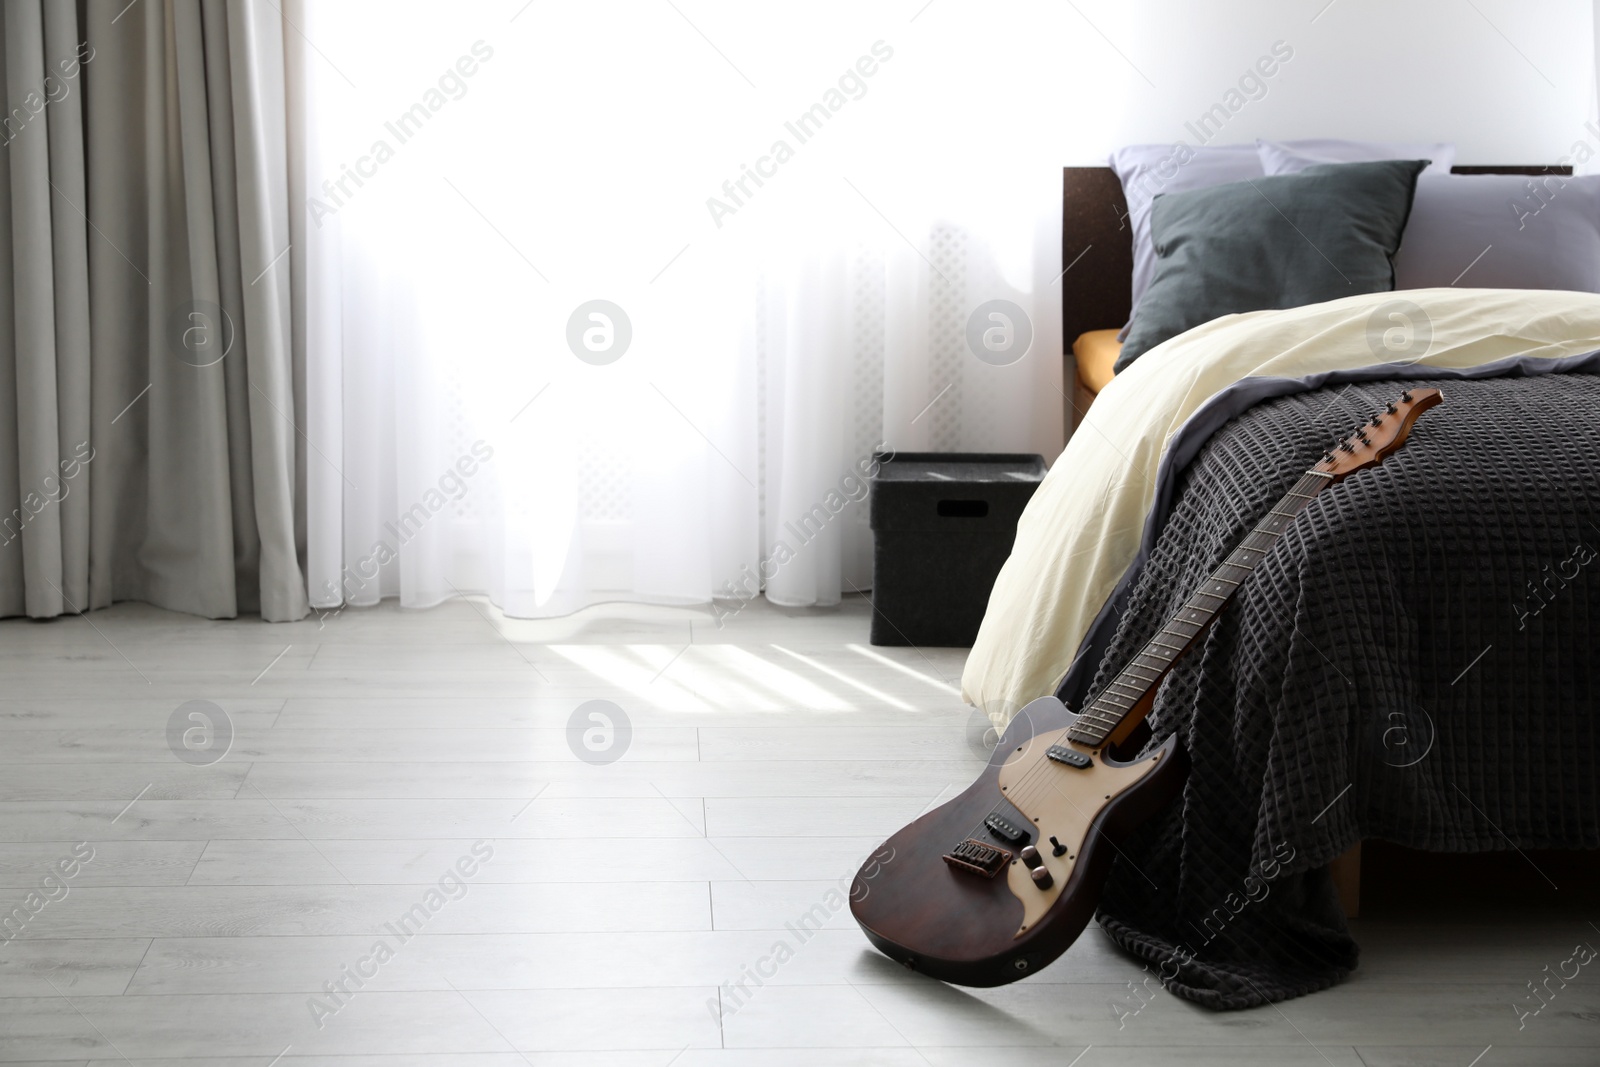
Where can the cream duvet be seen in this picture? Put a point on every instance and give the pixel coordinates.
(1084, 525)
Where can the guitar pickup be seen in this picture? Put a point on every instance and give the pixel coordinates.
(1070, 756)
(1005, 829)
(976, 857)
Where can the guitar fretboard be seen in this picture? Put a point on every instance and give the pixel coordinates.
(1144, 672)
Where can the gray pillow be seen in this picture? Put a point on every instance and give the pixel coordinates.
(1146, 170)
(1500, 231)
(1279, 242)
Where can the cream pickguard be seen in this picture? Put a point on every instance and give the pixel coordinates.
(1060, 802)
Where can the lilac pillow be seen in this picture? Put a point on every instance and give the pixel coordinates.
(1147, 170)
(1292, 157)
(1502, 231)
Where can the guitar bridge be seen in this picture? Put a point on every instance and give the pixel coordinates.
(977, 857)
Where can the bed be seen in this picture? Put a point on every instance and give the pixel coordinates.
(1371, 629)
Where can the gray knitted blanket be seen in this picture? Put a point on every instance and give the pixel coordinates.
(1414, 661)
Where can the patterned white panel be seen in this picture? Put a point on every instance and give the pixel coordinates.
(947, 342)
(868, 294)
(761, 355)
(604, 477)
(459, 438)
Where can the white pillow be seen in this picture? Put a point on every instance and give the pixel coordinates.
(1292, 157)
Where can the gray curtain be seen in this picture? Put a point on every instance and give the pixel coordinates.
(148, 441)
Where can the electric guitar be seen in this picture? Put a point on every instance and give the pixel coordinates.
(999, 881)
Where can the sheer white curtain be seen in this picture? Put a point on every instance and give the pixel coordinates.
(474, 178)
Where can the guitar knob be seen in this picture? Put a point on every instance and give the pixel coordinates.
(1031, 857)
(1041, 877)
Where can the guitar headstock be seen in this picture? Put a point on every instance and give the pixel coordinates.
(1378, 437)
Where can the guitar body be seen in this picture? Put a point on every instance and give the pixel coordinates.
(968, 927)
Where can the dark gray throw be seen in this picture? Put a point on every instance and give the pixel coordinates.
(1414, 661)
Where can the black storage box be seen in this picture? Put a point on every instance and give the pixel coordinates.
(943, 524)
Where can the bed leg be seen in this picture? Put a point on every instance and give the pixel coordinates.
(1346, 871)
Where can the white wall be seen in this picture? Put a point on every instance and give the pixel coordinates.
(1509, 81)
(982, 94)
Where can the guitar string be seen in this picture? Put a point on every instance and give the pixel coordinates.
(1030, 788)
(1037, 779)
(1314, 481)
(1036, 782)
(1103, 721)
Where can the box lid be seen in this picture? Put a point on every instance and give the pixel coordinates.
(969, 467)
(967, 490)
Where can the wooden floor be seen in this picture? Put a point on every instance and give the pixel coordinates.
(377, 755)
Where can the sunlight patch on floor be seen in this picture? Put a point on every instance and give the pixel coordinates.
(636, 676)
(687, 669)
(876, 694)
(943, 687)
(707, 678)
(794, 690)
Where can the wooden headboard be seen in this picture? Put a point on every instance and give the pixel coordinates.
(1095, 292)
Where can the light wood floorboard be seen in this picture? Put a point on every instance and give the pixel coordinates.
(372, 749)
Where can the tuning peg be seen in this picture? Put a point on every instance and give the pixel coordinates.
(1405, 397)
(1344, 446)
(1377, 420)
(1391, 409)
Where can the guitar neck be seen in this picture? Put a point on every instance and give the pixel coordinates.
(1127, 699)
